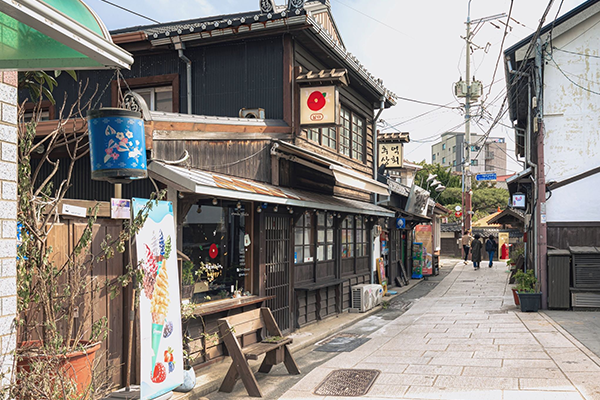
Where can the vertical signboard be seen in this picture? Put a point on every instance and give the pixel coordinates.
(390, 154)
(160, 312)
(318, 105)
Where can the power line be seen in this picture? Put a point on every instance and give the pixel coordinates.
(427, 103)
(374, 19)
(571, 80)
(501, 46)
(575, 53)
(129, 11)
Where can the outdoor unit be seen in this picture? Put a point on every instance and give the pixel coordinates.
(365, 296)
(254, 113)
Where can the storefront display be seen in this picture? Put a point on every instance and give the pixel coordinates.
(418, 260)
(215, 240)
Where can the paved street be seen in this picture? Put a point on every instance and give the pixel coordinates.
(466, 340)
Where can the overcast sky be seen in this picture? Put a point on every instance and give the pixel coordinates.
(416, 47)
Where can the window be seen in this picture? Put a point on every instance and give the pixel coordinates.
(474, 148)
(303, 240)
(443, 146)
(361, 237)
(345, 132)
(433, 157)
(348, 237)
(213, 239)
(313, 134)
(324, 136)
(325, 237)
(358, 138)
(454, 163)
(158, 98)
(329, 137)
(475, 162)
(454, 149)
(443, 160)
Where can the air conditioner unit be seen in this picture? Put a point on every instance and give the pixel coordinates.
(256, 113)
(365, 296)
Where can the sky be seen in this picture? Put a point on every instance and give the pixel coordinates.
(416, 47)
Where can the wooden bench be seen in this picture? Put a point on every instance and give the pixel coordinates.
(244, 336)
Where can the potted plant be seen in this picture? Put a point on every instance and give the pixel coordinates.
(530, 298)
(189, 375)
(187, 280)
(57, 336)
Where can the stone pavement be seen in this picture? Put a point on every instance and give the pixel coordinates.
(467, 340)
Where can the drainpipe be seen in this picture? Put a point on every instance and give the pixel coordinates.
(188, 63)
(375, 167)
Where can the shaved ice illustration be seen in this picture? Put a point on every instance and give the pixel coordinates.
(156, 286)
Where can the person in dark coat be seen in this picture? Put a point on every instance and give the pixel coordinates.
(491, 246)
(476, 246)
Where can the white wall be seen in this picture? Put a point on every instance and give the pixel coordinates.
(572, 122)
(8, 220)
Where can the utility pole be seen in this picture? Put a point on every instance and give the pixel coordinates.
(467, 166)
(471, 90)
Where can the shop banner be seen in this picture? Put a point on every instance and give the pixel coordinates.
(160, 312)
(424, 235)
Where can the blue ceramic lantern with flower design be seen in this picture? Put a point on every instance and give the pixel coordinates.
(117, 145)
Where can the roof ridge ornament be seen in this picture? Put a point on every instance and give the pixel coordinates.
(295, 4)
(267, 6)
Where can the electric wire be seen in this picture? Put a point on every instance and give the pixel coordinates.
(130, 11)
(375, 19)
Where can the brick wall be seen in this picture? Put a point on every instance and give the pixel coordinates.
(8, 218)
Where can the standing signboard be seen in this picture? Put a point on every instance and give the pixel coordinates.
(160, 312)
(424, 235)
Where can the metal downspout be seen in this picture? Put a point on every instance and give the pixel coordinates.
(188, 79)
(375, 167)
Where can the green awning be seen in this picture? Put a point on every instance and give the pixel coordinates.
(55, 34)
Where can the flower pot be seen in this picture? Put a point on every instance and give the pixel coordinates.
(187, 291)
(515, 296)
(189, 381)
(76, 366)
(117, 145)
(530, 302)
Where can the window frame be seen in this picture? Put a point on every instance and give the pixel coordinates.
(328, 244)
(306, 226)
(148, 82)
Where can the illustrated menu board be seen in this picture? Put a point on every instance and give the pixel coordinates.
(417, 270)
(160, 312)
(424, 235)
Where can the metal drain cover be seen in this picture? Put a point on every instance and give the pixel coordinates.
(347, 382)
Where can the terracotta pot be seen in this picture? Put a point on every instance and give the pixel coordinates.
(515, 296)
(77, 365)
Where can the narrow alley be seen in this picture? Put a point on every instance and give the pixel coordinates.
(464, 340)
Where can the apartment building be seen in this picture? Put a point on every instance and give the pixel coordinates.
(487, 154)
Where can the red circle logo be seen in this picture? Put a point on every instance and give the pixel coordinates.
(316, 101)
(213, 251)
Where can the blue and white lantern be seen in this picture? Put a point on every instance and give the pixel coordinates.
(117, 145)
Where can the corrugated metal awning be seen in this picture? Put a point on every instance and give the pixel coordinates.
(212, 184)
(342, 174)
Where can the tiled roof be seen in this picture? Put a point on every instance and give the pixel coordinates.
(326, 75)
(208, 27)
(394, 137)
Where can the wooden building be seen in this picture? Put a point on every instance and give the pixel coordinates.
(275, 197)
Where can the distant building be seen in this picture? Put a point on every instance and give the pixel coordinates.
(487, 154)
(406, 174)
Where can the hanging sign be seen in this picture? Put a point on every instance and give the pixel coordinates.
(390, 154)
(318, 105)
(518, 200)
(160, 312)
(400, 223)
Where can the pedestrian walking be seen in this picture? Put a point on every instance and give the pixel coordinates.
(476, 247)
(466, 244)
(491, 246)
